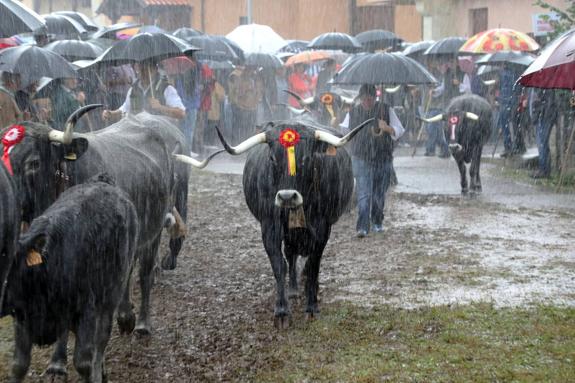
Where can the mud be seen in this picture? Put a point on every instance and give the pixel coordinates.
(212, 314)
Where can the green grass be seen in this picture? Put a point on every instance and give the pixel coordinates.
(472, 343)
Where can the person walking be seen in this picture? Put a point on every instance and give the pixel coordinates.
(372, 157)
(245, 89)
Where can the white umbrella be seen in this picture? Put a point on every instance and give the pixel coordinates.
(257, 38)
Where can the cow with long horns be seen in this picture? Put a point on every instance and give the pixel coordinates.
(9, 226)
(297, 182)
(467, 130)
(139, 155)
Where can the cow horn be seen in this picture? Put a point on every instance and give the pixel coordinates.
(347, 100)
(195, 163)
(489, 82)
(302, 101)
(244, 146)
(392, 90)
(66, 136)
(321, 135)
(435, 118)
(472, 116)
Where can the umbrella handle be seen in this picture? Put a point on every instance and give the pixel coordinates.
(151, 85)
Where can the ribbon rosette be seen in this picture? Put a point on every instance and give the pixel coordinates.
(12, 137)
(288, 139)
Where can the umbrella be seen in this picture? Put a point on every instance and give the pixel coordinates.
(63, 25)
(501, 57)
(176, 65)
(236, 48)
(81, 18)
(499, 39)
(185, 33)
(263, 60)
(383, 68)
(256, 38)
(212, 48)
(555, 66)
(378, 39)
(109, 32)
(130, 32)
(307, 57)
(418, 48)
(8, 42)
(16, 18)
(216, 65)
(446, 46)
(33, 62)
(73, 50)
(146, 46)
(336, 41)
(294, 46)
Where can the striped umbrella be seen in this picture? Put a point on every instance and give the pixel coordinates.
(499, 39)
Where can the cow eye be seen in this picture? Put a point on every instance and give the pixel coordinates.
(32, 166)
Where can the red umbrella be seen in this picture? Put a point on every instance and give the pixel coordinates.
(176, 65)
(555, 67)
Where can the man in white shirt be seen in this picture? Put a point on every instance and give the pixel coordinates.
(161, 98)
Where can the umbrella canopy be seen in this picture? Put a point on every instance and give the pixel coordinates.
(256, 38)
(378, 39)
(130, 32)
(294, 46)
(212, 48)
(236, 48)
(81, 18)
(8, 42)
(16, 18)
(176, 65)
(514, 58)
(109, 32)
(73, 50)
(499, 39)
(446, 46)
(336, 41)
(383, 68)
(307, 57)
(61, 25)
(555, 67)
(263, 60)
(417, 49)
(185, 33)
(33, 62)
(146, 47)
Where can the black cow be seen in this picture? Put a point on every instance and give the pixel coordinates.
(71, 271)
(9, 226)
(297, 201)
(467, 130)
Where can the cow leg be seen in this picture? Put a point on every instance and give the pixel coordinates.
(272, 239)
(312, 273)
(102, 337)
(463, 175)
(291, 256)
(85, 349)
(147, 264)
(474, 171)
(169, 261)
(126, 318)
(59, 360)
(22, 352)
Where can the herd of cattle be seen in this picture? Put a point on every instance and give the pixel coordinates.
(78, 210)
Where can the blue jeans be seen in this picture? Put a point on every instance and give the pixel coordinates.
(543, 131)
(503, 124)
(435, 136)
(189, 124)
(372, 182)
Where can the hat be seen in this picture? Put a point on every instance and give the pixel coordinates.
(367, 90)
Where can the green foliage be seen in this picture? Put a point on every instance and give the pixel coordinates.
(566, 17)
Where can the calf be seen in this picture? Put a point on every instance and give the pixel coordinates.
(70, 272)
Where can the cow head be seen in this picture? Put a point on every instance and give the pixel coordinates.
(455, 121)
(41, 161)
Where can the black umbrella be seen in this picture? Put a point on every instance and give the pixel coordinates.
(263, 60)
(33, 62)
(417, 49)
(446, 46)
(81, 18)
(212, 48)
(109, 32)
(16, 18)
(378, 39)
(61, 25)
(509, 57)
(237, 50)
(145, 47)
(185, 33)
(384, 69)
(336, 41)
(73, 50)
(294, 46)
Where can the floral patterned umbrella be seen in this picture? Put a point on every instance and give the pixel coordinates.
(499, 39)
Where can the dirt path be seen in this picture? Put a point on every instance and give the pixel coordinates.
(213, 313)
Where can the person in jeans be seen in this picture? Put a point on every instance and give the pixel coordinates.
(372, 157)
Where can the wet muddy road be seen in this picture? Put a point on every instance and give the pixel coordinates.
(511, 246)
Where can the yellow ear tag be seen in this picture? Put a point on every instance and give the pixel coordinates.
(71, 156)
(33, 258)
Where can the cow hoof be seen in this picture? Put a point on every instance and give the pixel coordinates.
(311, 315)
(293, 292)
(56, 372)
(169, 262)
(464, 192)
(126, 323)
(281, 322)
(142, 330)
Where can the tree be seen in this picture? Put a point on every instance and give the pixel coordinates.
(566, 19)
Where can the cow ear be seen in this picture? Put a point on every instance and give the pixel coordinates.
(75, 149)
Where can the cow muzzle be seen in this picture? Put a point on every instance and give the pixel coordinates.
(455, 148)
(288, 198)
